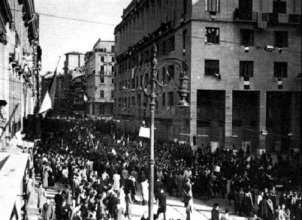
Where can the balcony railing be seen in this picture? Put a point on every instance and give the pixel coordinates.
(245, 16)
(294, 19)
(270, 18)
(277, 18)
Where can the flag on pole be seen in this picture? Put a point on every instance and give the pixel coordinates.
(49, 98)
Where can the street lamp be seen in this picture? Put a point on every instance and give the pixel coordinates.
(153, 94)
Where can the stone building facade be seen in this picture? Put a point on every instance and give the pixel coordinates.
(72, 86)
(19, 56)
(100, 79)
(244, 60)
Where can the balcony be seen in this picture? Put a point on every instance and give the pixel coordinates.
(245, 16)
(294, 19)
(279, 18)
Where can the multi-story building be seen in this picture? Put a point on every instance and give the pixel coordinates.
(73, 87)
(100, 79)
(19, 56)
(244, 61)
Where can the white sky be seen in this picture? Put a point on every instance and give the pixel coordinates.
(59, 36)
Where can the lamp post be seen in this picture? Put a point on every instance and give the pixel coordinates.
(153, 94)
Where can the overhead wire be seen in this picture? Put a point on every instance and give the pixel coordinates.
(142, 31)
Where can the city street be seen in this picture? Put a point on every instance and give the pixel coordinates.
(108, 104)
(175, 207)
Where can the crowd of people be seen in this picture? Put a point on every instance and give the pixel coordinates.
(103, 170)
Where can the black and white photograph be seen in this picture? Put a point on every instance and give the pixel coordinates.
(150, 110)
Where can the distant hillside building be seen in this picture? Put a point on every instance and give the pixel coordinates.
(100, 78)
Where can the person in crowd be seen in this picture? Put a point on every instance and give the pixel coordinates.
(48, 210)
(162, 204)
(215, 212)
(65, 210)
(226, 215)
(41, 198)
(188, 197)
(58, 204)
(145, 191)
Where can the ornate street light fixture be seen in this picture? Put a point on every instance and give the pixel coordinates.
(153, 94)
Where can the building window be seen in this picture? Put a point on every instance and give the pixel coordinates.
(102, 68)
(280, 69)
(102, 94)
(102, 78)
(112, 59)
(246, 68)
(281, 39)
(170, 99)
(112, 69)
(211, 67)
(279, 7)
(164, 75)
(184, 36)
(171, 73)
(112, 80)
(102, 59)
(184, 4)
(147, 56)
(112, 49)
(164, 99)
(212, 35)
(212, 5)
(247, 37)
(171, 44)
(102, 110)
(164, 47)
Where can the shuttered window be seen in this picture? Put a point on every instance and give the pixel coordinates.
(212, 5)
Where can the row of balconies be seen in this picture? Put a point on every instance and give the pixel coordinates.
(270, 18)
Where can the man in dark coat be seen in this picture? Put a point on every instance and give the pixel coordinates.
(66, 211)
(215, 212)
(157, 187)
(263, 211)
(47, 211)
(162, 204)
(129, 187)
(58, 200)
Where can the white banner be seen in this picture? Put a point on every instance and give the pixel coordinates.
(144, 132)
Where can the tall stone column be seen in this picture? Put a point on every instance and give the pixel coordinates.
(228, 118)
(262, 120)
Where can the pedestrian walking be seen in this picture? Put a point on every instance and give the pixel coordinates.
(162, 204)
(215, 212)
(48, 210)
(188, 197)
(41, 198)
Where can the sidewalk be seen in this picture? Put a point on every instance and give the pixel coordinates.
(32, 209)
